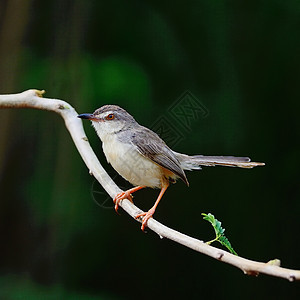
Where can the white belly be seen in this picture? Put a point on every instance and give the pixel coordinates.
(131, 165)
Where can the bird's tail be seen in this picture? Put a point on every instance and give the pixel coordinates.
(193, 162)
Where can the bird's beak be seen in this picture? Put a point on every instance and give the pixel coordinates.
(86, 116)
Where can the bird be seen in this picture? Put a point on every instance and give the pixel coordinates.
(141, 157)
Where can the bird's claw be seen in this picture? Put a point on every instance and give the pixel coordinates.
(119, 197)
(146, 216)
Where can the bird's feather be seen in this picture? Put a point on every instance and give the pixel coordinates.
(150, 145)
(189, 162)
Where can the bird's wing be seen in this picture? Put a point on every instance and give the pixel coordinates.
(150, 145)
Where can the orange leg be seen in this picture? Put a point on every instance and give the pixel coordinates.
(147, 215)
(125, 195)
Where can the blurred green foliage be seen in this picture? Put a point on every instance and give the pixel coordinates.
(16, 288)
(60, 239)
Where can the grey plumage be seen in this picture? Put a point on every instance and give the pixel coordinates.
(152, 147)
(191, 162)
(120, 113)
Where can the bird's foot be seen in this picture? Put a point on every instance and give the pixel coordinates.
(146, 216)
(120, 196)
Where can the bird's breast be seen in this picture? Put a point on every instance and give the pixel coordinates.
(131, 165)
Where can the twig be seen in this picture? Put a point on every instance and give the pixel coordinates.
(33, 99)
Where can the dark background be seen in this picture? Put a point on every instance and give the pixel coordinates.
(241, 61)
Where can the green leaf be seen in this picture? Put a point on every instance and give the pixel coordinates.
(225, 242)
(219, 231)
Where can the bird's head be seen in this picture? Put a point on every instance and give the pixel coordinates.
(109, 119)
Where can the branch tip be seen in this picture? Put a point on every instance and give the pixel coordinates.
(40, 93)
(274, 262)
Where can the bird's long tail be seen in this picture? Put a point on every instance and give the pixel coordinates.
(188, 162)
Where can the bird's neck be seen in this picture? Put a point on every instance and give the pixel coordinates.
(106, 134)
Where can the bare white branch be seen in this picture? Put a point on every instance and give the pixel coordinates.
(33, 99)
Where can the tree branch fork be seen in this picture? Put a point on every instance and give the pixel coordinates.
(33, 99)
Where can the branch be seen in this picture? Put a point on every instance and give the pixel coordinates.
(33, 99)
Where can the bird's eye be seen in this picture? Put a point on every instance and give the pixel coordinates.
(110, 117)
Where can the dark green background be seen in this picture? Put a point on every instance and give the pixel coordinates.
(241, 59)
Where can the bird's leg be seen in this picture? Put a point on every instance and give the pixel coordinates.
(125, 195)
(147, 215)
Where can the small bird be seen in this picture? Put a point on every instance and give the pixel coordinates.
(141, 157)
